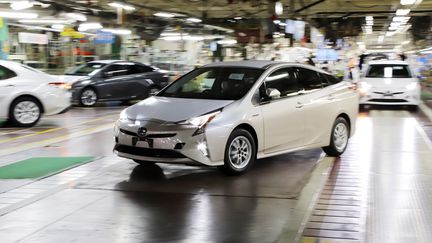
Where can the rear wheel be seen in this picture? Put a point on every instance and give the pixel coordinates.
(25, 112)
(240, 152)
(88, 97)
(339, 138)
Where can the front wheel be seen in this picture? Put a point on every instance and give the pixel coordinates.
(339, 138)
(25, 112)
(240, 152)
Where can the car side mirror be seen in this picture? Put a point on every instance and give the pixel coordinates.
(273, 93)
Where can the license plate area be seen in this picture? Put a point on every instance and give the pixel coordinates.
(148, 141)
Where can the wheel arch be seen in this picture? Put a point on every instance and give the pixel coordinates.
(251, 130)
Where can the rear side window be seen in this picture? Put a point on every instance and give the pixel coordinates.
(117, 70)
(6, 73)
(141, 69)
(388, 71)
(309, 79)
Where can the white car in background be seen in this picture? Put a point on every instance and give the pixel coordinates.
(27, 93)
(389, 82)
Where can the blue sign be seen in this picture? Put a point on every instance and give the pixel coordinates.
(103, 37)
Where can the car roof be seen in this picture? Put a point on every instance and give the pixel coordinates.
(261, 64)
(107, 61)
(396, 62)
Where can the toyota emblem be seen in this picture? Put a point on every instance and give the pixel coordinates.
(142, 132)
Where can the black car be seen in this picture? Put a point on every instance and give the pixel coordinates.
(111, 80)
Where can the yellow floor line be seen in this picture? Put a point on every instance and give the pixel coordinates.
(51, 130)
(55, 139)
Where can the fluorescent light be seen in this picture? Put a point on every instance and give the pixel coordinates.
(118, 31)
(395, 24)
(44, 21)
(89, 26)
(170, 34)
(282, 24)
(18, 15)
(401, 19)
(369, 22)
(402, 12)
(393, 27)
(194, 20)
(164, 15)
(277, 21)
(76, 16)
(278, 8)
(369, 18)
(58, 26)
(183, 37)
(238, 18)
(407, 2)
(122, 5)
(20, 5)
(227, 42)
(406, 42)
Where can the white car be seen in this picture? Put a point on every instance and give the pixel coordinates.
(27, 93)
(228, 114)
(389, 82)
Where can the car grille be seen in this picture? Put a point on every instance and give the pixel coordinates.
(153, 135)
(388, 100)
(149, 152)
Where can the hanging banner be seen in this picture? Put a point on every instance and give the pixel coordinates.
(103, 37)
(32, 38)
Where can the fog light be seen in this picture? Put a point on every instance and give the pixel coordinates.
(202, 147)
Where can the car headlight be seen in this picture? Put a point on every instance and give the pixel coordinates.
(123, 116)
(411, 86)
(200, 122)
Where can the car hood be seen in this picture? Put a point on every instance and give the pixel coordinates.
(165, 109)
(70, 79)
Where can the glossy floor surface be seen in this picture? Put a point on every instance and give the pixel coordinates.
(377, 192)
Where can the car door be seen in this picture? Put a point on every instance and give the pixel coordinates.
(142, 79)
(317, 105)
(114, 82)
(282, 116)
(7, 86)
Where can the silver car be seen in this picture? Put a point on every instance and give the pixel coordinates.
(229, 114)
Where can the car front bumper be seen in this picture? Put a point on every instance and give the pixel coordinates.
(164, 143)
(395, 98)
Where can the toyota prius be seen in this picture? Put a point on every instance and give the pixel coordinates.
(230, 114)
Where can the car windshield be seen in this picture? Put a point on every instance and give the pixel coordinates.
(388, 71)
(88, 69)
(217, 83)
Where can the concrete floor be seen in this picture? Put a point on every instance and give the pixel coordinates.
(376, 191)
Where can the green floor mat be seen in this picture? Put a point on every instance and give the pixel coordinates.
(39, 167)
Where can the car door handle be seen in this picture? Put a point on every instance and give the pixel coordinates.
(299, 105)
(8, 85)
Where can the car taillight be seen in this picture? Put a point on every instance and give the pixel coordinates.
(61, 85)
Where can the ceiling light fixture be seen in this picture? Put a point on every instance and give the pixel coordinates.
(20, 5)
(369, 18)
(164, 15)
(278, 8)
(89, 26)
(45, 21)
(407, 2)
(238, 17)
(194, 20)
(18, 15)
(122, 6)
(402, 12)
(118, 31)
(76, 16)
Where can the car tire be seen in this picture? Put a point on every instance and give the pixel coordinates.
(88, 97)
(413, 108)
(339, 138)
(25, 112)
(153, 91)
(240, 153)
